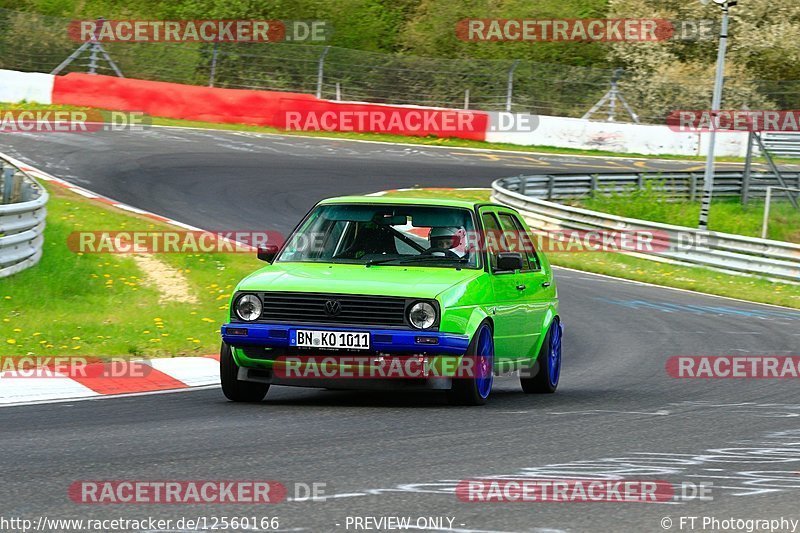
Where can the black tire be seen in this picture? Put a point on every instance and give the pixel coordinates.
(234, 389)
(541, 382)
(465, 391)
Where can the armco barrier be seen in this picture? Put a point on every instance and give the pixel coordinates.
(687, 246)
(679, 185)
(22, 219)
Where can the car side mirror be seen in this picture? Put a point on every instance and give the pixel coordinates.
(268, 252)
(509, 261)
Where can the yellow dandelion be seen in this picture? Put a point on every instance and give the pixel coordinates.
(11, 341)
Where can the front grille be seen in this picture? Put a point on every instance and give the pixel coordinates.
(352, 309)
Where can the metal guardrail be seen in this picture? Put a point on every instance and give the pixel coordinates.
(678, 185)
(22, 219)
(722, 251)
(782, 144)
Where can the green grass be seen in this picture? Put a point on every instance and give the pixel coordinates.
(101, 304)
(637, 269)
(727, 215)
(397, 139)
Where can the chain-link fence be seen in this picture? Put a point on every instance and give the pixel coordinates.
(31, 42)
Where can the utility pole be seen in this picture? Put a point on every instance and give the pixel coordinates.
(708, 179)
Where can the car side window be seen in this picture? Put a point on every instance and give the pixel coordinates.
(524, 240)
(491, 229)
(512, 238)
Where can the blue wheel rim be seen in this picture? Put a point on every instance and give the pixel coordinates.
(484, 375)
(554, 353)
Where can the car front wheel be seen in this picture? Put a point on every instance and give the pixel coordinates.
(545, 381)
(474, 388)
(234, 389)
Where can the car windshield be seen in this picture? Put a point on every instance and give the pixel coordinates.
(381, 234)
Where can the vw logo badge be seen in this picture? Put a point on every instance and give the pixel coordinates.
(333, 307)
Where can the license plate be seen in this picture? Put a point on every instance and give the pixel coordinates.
(331, 339)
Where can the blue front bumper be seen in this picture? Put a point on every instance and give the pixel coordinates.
(381, 340)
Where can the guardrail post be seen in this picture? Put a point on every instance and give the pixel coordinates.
(8, 184)
(748, 166)
(213, 73)
(593, 186)
(510, 86)
(692, 187)
(321, 70)
(551, 184)
(639, 181)
(16, 187)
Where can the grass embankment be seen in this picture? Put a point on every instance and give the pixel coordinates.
(633, 268)
(103, 304)
(727, 215)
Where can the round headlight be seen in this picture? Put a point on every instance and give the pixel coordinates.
(422, 315)
(248, 307)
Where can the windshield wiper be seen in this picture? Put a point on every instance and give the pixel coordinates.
(415, 259)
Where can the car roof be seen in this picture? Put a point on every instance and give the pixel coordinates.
(408, 200)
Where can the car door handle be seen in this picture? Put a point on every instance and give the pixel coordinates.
(546, 284)
(521, 287)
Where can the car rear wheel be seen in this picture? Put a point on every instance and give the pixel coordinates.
(476, 387)
(234, 389)
(545, 381)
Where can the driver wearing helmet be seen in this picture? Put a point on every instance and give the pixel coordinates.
(447, 240)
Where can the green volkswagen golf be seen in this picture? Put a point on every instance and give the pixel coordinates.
(392, 292)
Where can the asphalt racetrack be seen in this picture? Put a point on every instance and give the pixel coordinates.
(617, 412)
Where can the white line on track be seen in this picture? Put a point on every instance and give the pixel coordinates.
(427, 146)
